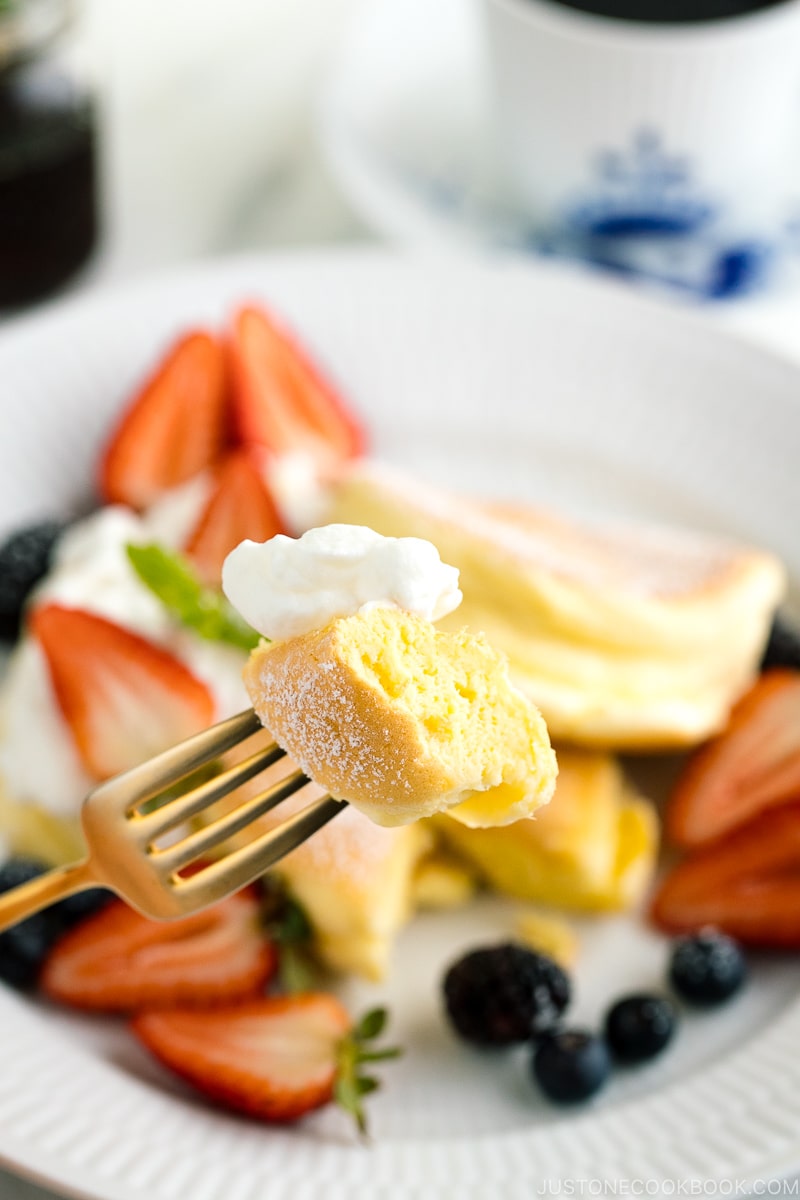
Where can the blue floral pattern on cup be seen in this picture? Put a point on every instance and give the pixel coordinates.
(640, 193)
(678, 240)
(644, 217)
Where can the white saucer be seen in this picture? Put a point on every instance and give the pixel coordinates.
(405, 125)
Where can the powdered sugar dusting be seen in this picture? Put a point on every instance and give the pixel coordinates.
(310, 706)
(352, 848)
(649, 562)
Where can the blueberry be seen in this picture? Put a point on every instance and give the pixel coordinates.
(783, 646)
(638, 1027)
(25, 557)
(571, 1065)
(499, 995)
(707, 968)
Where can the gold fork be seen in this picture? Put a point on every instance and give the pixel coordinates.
(141, 852)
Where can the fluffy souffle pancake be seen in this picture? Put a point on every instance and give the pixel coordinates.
(356, 881)
(402, 720)
(636, 638)
(592, 849)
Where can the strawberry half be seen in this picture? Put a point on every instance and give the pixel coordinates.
(753, 765)
(240, 506)
(174, 428)
(276, 1058)
(123, 698)
(119, 961)
(280, 398)
(747, 884)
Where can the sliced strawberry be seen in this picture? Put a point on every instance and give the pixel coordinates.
(119, 961)
(747, 884)
(123, 698)
(276, 1058)
(240, 506)
(280, 399)
(753, 765)
(273, 1058)
(174, 428)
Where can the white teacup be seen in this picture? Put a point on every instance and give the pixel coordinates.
(666, 151)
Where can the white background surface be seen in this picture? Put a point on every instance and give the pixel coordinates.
(209, 115)
(209, 149)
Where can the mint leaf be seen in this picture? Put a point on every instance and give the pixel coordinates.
(171, 578)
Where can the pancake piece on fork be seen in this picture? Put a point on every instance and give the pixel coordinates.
(385, 711)
(377, 705)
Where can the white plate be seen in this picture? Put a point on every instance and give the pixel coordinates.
(510, 381)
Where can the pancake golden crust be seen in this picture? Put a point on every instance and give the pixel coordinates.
(402, 720)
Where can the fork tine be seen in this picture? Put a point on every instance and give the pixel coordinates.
(146, 781)
(195, 845)
(248, 862)
(147, 826)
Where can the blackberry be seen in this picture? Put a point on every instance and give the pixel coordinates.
(638, 1027)
(18, 870)
(499, 995)
(571, 1065)
(707, 968)
(24, 947)
(25, 557)
(64, 913)
(74, 909)
(783, 645)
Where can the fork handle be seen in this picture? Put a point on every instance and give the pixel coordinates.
(28, 898)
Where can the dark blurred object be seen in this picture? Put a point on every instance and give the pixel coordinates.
(48, 168)
(668, 12)
(783, 646)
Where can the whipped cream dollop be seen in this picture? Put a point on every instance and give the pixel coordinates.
(288, 586)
